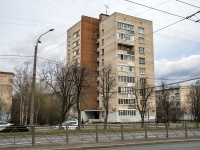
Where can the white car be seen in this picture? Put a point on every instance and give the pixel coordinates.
(72, 125)
(4, 124)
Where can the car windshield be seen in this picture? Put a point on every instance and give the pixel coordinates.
(69, 123)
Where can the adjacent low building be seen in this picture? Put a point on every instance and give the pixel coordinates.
(175, 100)
(6, 89)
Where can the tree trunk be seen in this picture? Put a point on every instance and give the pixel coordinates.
(106, 119)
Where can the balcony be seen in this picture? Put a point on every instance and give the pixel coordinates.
(97, 59)
(97, 41)
(97, 50)
(97, 98)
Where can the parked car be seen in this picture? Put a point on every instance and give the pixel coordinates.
(4, 124)
(15, 128)
(72, 125)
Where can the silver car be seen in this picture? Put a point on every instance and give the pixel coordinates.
(72, 125)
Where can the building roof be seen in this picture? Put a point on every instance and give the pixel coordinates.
(6, 73)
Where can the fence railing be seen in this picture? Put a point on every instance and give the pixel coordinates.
(96, 133)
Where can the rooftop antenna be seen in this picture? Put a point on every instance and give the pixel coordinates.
(106, 9)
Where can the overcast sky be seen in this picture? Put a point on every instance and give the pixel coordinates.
(176, 48)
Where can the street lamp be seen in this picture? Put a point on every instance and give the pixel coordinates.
(33, 79)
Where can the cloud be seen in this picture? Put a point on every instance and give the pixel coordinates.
(184, 68)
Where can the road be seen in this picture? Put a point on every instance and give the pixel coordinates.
(165, 146)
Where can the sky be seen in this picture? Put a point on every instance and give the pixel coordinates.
(176, 48)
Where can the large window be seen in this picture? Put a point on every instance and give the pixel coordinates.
(126, 101)
(126, 79)
(142, 70)
(125, 68)
(125, 57)
(141, 30)
(141, 50)
(125, 90)
(142, 60)
(121, 25)
(124, 36)
(127, 112)
(141, 40)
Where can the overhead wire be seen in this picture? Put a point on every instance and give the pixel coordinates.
(187, 4)
(160, 10)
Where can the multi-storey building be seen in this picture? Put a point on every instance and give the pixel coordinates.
(175, 98)
(124, 41)
(6, 88)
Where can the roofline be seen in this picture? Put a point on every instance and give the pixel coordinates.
(7, 73)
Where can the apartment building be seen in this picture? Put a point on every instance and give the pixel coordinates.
(6, 88)
(124, 41)
(176, 101)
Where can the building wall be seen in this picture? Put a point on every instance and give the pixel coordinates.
(99, 44)
(85, 44)
(108, 32)
(6, 89)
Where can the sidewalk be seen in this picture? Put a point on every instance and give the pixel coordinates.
(86, 145)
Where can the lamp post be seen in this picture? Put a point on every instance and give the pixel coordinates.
(33, 79)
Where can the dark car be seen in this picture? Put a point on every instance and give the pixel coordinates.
(15, 128)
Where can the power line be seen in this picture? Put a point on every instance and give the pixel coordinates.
(8, 17)
(154, 6)
(187, 4)
(159, 10)
(29, 24)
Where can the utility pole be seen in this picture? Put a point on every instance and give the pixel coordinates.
(34, 78)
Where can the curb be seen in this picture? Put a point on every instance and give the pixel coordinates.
(128, 144)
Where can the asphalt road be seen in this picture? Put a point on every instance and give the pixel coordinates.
(165, 146)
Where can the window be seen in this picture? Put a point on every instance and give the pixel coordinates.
(74, 44)
(74, 53)
(77, 52)
(127, 112)
(142, 60)
(142, 102)
(121, 25)
(126, 101)
(141, 40)
(125, 57)
(103, 32)
(125, 68)
(102, 62)
(126, 79)
(142, 70)
(102, 52)
(102, 42)
(125, 90)
(141, 30)
(172, 98)
(142, 80)
(141, 50)
(177, 95)
(74, 35)
(124, 36)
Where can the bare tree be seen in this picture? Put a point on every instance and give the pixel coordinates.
(143, 92)
(80, 83)
(60, 79)
(107, 84)
(22, 90)
(193, 101)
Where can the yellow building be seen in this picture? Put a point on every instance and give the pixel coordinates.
(6, 89)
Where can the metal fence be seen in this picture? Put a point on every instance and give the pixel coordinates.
(96, 133)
